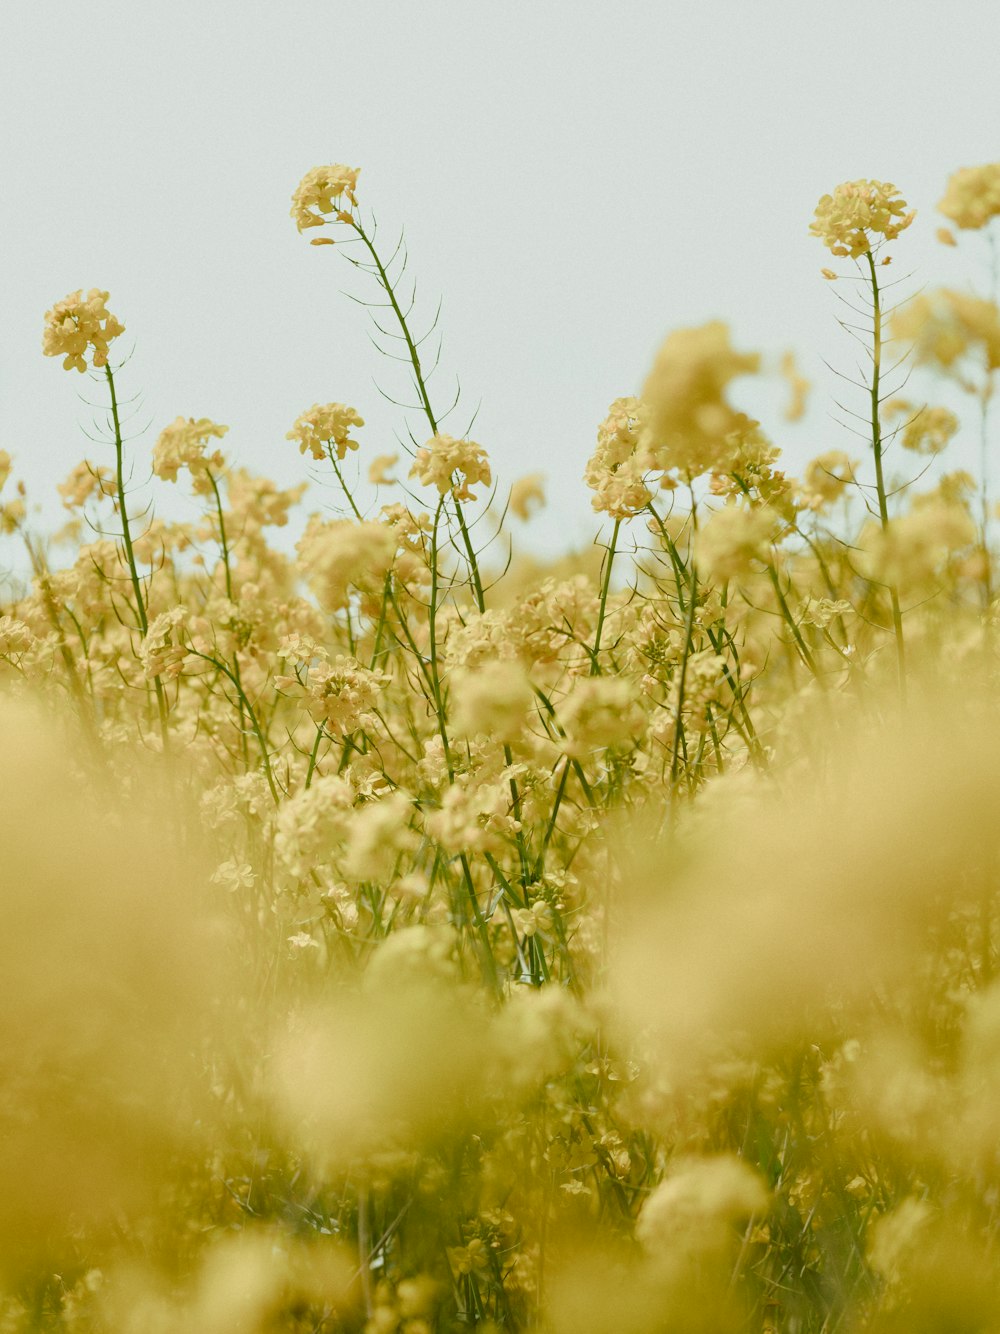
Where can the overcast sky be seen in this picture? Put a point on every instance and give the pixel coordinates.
(575, 179)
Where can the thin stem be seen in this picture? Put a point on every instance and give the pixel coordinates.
(605, 590)
(140, 601)
(876, 427)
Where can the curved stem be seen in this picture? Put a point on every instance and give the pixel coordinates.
(251, 714)
(421, 386)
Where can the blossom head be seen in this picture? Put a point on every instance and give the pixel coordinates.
(324, 428)
(77, 323)
(689, 424)
(319, 193)
(616, 471)
(182, 444)
(452, 465)
(527, 495)
(972, 197)
(847, 219)
(927, 430)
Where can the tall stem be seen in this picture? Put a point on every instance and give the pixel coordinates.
(421, 386)
(883, 505)
(140, 601)
(605, 591)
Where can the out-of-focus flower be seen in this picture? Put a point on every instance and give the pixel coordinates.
(492, 698)
(700, 1194)
(601, 711)
(733, 539)
(380, 468)
(528, 495)
(972, 197)
(83, 482)
(798, 387)
(826, 476)
(182, 444)
(944, 326)
(689, 422)
(928, 429)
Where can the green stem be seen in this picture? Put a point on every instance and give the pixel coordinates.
(140, 601)
(251, 714)
(226, 565)
(425, 401)
(605, 590)
(883, 504)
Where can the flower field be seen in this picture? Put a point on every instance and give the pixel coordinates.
(404, 933)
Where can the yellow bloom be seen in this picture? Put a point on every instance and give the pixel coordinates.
(325, 426)
(825, 479)
(798, 386)
(182, 444)
(928, 429)
(945, 325)
(452, 465)
(616, 470)
(733, 538)
(380, 468)
(493, 698)
(972, 197)
(83, 482)
(528, 494)
(318, 192)
(74, 324)
(689, 422)
(845, 219)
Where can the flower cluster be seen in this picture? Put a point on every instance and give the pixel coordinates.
(326, 428)
(452, 466)
(927, 429)
(319, 191)
(847, 220)
(972, 197)
(182, 444)
(945, 326)
(616, 471)
(733, 539)
(75, 324)
(689, 423)
(416, 941)
(339, 695)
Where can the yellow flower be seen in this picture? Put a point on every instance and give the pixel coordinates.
(845, 219)
(928, 429)
(528, 494)
(733, 538)
(972, 197)
(380, 468)
(452, 465)
(690, 424)
(323, 426)
(74, 324)
(616, 470)
(182, 444)
(798, 385)
(318, 192)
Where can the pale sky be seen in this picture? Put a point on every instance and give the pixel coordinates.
(575, 179)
